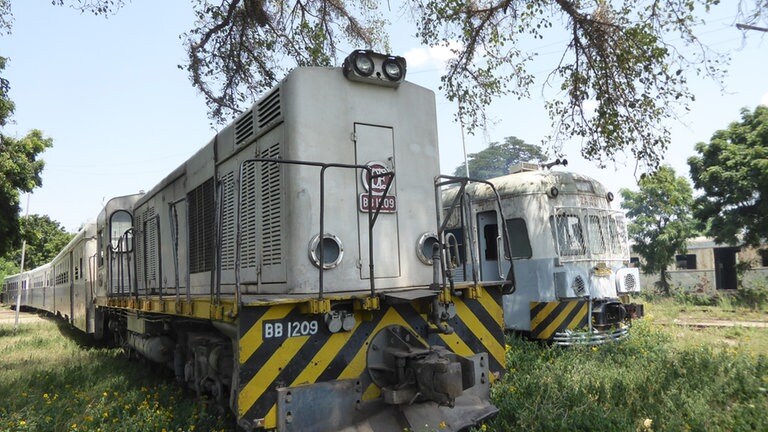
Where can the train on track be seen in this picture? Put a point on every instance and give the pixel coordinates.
(290, 269)
(310, 268)
(566, 258)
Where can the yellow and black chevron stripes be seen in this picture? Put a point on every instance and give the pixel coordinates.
(268, 361)
(550, 317)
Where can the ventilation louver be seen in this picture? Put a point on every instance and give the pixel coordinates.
(629, 282)
(150, 247)
(271, 209)
(228, 223)
(269, 109)
(579, 286)
(244, 128)
(201, 227)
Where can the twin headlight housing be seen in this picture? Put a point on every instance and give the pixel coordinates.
(368, 66)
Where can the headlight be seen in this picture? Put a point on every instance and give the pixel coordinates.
(363, 64)
(392, 69)
(374, 68)
(425, 245)
(333, 251)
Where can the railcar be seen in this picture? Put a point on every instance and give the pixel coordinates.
(283, 269)
(569, 278)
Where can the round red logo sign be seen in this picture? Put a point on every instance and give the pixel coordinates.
(379, 184)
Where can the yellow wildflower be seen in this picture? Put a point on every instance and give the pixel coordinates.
(647, 424)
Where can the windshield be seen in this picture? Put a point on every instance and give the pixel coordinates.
(587, 233)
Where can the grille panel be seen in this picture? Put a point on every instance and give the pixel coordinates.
(228, 223)
(271, 209)
(201, 227)
(269, 109)
(579, 286)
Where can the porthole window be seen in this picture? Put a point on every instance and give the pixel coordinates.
(425, 245)
(333, 251)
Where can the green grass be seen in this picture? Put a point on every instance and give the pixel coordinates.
(665, 377)
(655, 380)
(55, 383)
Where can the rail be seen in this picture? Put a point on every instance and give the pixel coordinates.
(463, 201)
(372, 216)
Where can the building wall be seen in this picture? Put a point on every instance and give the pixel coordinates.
(703, 279)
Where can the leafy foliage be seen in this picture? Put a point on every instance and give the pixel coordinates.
(20, 169)
(238, 48)
(497, 159)
(632, 58)
(661, 221)
(44, 237)
(732, 171)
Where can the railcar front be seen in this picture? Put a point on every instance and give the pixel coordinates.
(569, 251)
(279, 268)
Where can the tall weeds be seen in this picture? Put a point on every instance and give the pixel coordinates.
(644, 383)
(53, 379)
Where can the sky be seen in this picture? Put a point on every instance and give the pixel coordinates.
(122, 114)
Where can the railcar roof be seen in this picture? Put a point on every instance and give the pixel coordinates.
(535, 182)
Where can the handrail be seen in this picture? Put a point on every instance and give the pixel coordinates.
(372, 216)
(459, 201)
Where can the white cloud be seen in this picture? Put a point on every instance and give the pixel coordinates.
(434, 57)
(590, 106)
(764, 99)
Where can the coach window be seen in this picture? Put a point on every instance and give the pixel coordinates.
(764, 257)
(519, 243)
(120, 222)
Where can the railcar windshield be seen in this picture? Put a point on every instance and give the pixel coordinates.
(588, 233)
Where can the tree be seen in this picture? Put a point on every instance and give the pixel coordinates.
(497, 159)
(20, 169)
(45, 239)
(732, 171)
(661, 221)
(632, 57)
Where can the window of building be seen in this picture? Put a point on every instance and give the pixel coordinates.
(685, 262)
(764, 257)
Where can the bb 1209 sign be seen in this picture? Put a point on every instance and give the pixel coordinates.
(389, 204)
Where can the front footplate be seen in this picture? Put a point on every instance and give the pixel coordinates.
(338, 406)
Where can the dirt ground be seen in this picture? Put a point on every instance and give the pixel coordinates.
(8, 317)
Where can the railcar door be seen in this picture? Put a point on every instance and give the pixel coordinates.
(490, 245)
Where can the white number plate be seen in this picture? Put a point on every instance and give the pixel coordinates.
(288, 329)
(389, 205)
